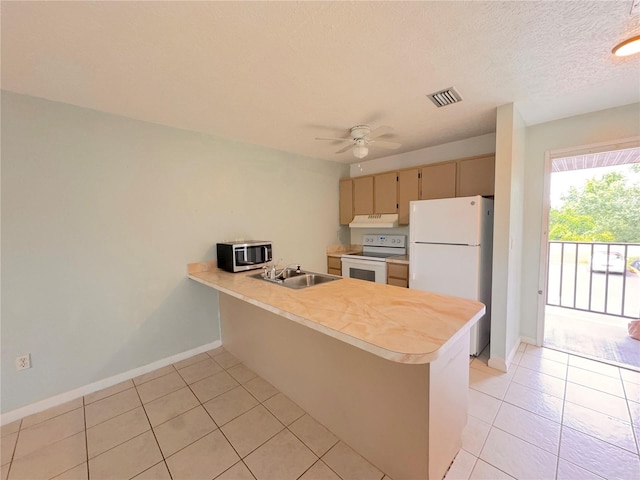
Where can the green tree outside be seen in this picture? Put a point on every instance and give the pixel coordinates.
(603, 210)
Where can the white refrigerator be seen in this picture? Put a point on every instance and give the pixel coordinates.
(450, 252)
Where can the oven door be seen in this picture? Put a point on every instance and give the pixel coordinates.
(370, 270)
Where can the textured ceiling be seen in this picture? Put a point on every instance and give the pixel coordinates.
(281, 73)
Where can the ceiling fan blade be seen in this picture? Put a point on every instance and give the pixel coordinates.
(385, 144)
(334, 139)
(342, 150)
(378, 132)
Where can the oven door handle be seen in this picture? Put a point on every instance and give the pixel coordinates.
(363, 263)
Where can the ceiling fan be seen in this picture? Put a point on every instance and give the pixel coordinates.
(361, 137)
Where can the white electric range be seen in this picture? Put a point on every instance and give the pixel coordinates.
(371, 263)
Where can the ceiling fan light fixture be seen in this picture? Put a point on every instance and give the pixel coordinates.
(628, 47)
(360, 151)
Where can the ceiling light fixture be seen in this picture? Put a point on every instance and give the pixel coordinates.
(360, 149)
(628, 47)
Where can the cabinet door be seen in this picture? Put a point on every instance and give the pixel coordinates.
(476, 176)
(334, 266)
(362, 195)
(408, 189)
(438, 181)
(385, 190)
(398, 274)
(346, 201)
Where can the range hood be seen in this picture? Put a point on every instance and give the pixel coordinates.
(379, 220)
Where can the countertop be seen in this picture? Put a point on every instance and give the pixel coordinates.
(339, 250)
(404, 259)
(401, 325)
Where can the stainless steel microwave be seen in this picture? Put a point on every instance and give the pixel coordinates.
(243, 255)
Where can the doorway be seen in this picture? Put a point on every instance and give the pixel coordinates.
(593, 255)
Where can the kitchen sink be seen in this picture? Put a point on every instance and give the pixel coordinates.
(292, 272)
(308, 280)
(299, 280)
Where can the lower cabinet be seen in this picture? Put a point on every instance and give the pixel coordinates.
(334, 266)
(398, 274)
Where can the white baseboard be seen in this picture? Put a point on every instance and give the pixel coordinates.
(497, 363)
(502, 364)
(101, 384)
(529, 340)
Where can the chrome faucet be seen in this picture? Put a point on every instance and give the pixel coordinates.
(287, 267)
(271, 273)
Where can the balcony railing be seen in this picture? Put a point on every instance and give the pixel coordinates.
(595, 277)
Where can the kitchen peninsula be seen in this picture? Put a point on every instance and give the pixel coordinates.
(385, 369)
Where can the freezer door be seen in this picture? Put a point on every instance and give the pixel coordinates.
(446, 269)
(447, 220)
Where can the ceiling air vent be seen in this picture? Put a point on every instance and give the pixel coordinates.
(445, 97)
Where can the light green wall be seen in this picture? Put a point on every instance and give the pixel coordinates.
(507, 235)
(101, 214)
(603, 126)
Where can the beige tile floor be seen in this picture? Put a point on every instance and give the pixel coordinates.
(552, 416)
(203, 418)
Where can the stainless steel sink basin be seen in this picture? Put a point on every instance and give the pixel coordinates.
(299, 280)
(308, 280)
(292, 272)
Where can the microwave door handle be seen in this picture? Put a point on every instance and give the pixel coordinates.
(266, 253)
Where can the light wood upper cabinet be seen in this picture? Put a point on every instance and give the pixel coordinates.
(385, 197)
(476, 176)
(391, 192)
(346, 201)
(362, 195)
(438, 181)
(408, 189)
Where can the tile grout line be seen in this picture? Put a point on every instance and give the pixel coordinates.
(477, 458)
(564, 402)
(35, 452)
(311, 466)
(115, 416)
(86, 436)
(502, 402)
(152, 427)
(633, 429)
(154, 436)
(261, 403)
(201, 404)
(15, 447)
(229, 441)
(219, 427)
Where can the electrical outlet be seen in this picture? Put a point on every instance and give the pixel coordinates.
(23, 362)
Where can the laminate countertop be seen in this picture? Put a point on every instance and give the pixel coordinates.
(404, 259)
(398, 324)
